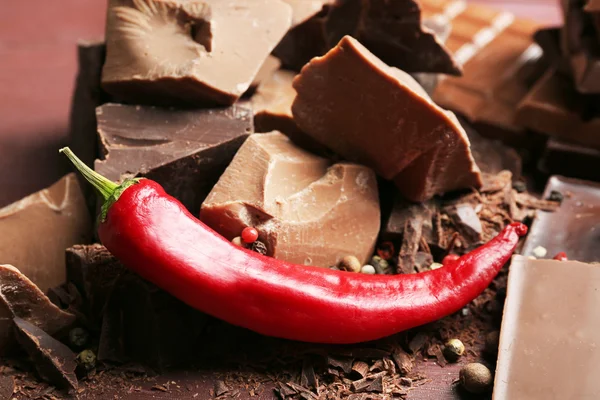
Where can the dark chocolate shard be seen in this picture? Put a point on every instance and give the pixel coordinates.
(467, 222)
(308, 377)
(25, 300)
(94, 271)
(392, 30)
(340, 362)
(54, 361)
(403, 360)
(573, 228)
(567, 159)
(411, 237)
(376, 385)
(184, 150)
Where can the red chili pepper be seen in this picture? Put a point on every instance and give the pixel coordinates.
(153, 234)
(561, 256)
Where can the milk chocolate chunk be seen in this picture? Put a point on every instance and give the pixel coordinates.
(189, 52)
(367, 112)
(562, 158)
(38, 229)
(266, 71)
(184, 150)
(272, 104)
(573, 228)
(500, 64)
(54, 361)
(550, 331)
(303, 10)
(555, 108)
(305, 210)
(392, 30)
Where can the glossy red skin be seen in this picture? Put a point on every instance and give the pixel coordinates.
(154, 235)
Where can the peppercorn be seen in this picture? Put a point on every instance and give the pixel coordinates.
(381, 266)
(368, 269)
(453, 349)
(78, 337)
(475, 378)
(450, 258)
(259, 247)
(540, 252)
(519, 186)
(87, 359)
(492, 342)
(238, 241)
(249, 235)
(555, 195)
(561, 256)
(350, 263)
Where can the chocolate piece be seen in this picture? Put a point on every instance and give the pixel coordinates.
(500, 63)
(87, 96)
(198, 53)
(145, 324)
(553, 107)
(40, 227)
(94, 271)
(22, 298)
(379, 116)
(573, 228)
(467, 223)
(272, 104)
(7, 386)
(266, 71)
(392, 30)
(54, 361)
(549, 337)
(580, 43)
(402, 212)
(325, 213)
(561, 158)
(184, 150)
(549, 40)
(303, 10)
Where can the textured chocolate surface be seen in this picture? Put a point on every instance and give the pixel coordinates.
(573, 228)
(184, 150)
(367, 112)
(561, 158)
(324, 213)
(38, 229)
(555, 108)
(179, 52)
(549, 337)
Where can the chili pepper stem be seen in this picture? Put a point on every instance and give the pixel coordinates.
(109, 190)
(105, 186)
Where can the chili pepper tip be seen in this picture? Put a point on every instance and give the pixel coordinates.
(520, 229)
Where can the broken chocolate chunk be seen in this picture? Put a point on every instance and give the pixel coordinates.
(562, 158)
(467, 223)
(272, 104)
(266, 71)
(392, 30)
(325, 213)
(54, 361)
(94, 271)
(189, 52)
(38, 229)
(370, 113)
(183, 150)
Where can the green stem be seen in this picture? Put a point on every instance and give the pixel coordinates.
(106, 187)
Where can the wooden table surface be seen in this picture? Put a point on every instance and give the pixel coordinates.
(37, 72)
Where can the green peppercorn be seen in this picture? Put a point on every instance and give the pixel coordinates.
(453, 349)
(475, 378)
(87, 359)
(381, 266)
(78, 337)
(350, 263)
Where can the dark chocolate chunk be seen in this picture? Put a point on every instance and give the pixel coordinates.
(467, 222)
(549, 40)
(411, 236)
(562, 158)
(308, 377)
(340, 362)
(392, 30)
(403, 360)
(54, 361)
(184, 150)
(87, 96)
(376, 385)
(94, 271)
(573, 228)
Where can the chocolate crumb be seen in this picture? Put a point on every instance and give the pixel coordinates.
(406, 382)
(376, 386)
(7, 386)
(555, 195)
(220, 388)
(417, 342)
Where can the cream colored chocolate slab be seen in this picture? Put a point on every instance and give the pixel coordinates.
(306, 210)
(368, 112)
(550, 338)
(37, 229)
(192, 52)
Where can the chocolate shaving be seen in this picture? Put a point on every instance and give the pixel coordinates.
(360, 368)
(403, 361)
(340, 362)
(376, 385)
(308, 377)
(410, 245)
(495, 182)
(7, 386)
(360, 385)
(220, 388)
(417, 342)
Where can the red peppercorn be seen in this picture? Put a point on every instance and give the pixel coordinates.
(249, 235)
(562, 256)
(385, 250)
(450, 258)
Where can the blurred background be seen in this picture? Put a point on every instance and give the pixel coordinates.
(37, 73)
